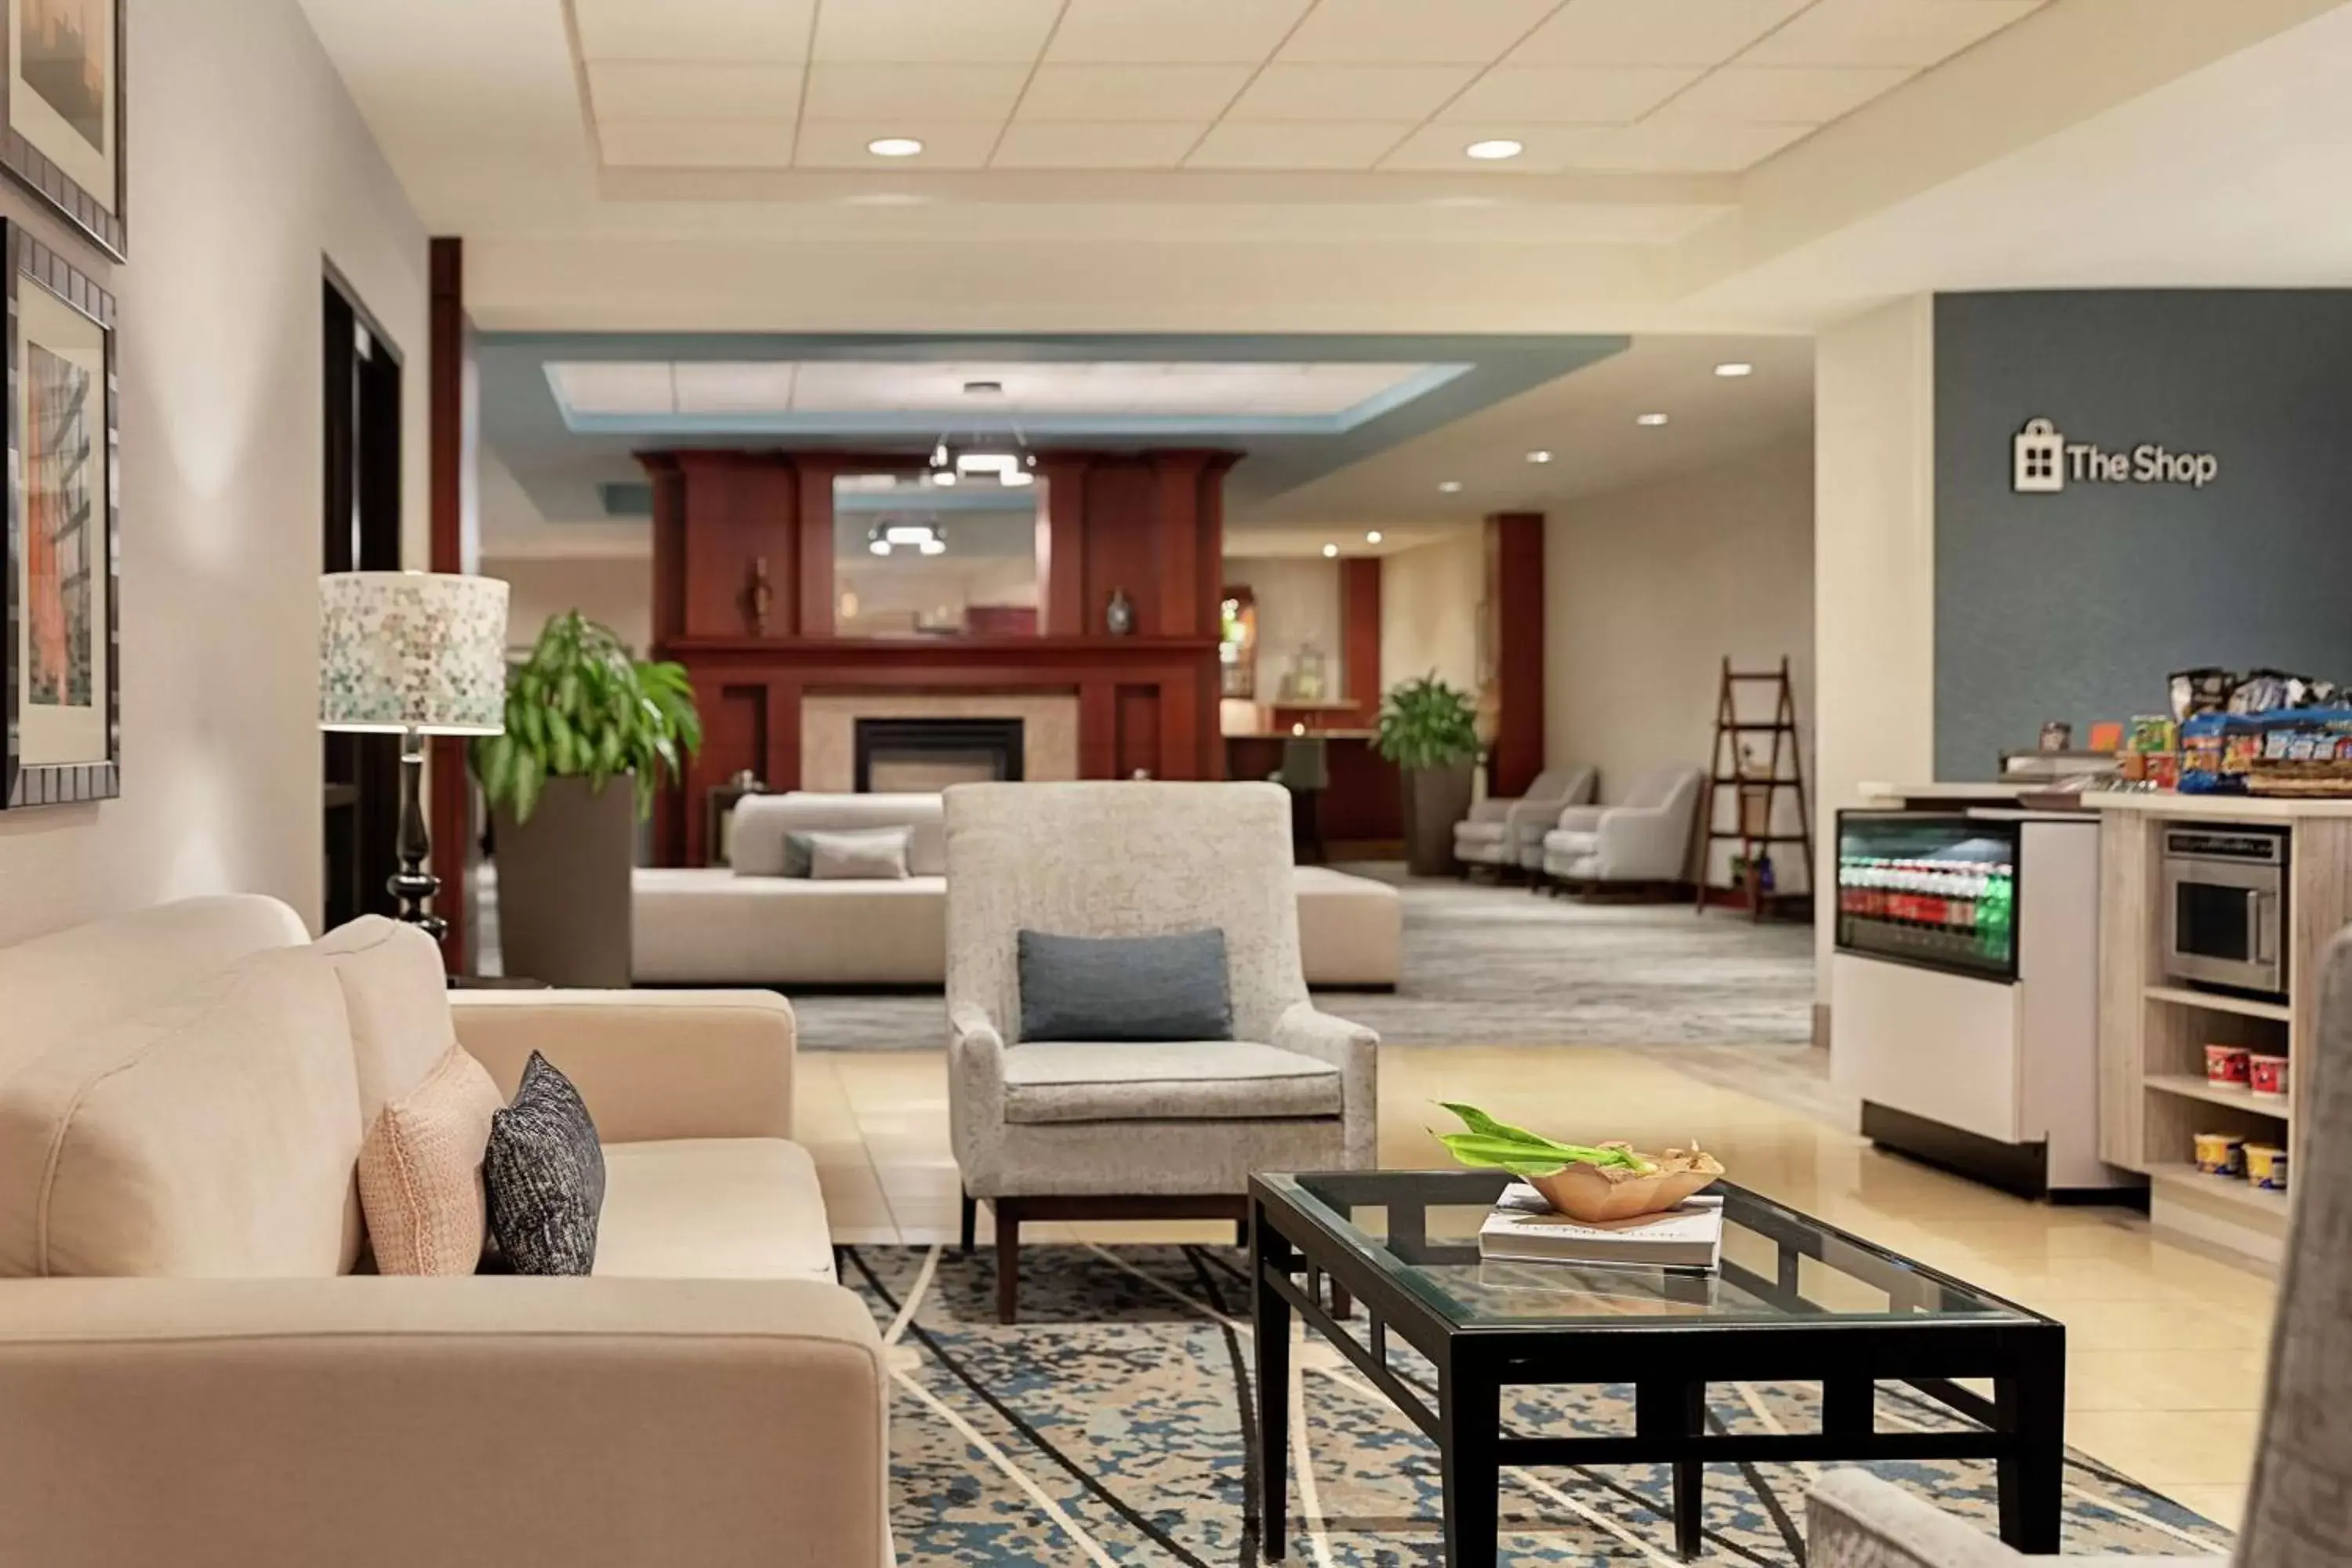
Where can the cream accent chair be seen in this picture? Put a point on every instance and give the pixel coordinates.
(1052, 1131)
(1643, 839)
(194, 1370)
(1505, 836)
(2295, 1512)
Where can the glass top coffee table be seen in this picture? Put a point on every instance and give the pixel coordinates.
(1795, 1300)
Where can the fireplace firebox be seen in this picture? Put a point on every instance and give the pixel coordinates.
(897, 756)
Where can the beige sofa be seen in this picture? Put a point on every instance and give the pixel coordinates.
(753, 926)
(196, 1369)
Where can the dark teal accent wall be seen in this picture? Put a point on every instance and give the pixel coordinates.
(2076, 606)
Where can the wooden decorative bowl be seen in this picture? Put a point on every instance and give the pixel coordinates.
(1592, 1194)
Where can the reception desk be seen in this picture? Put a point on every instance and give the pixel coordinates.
(1360, 814)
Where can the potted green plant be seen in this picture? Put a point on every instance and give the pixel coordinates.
(1429, 731)
(582, 715)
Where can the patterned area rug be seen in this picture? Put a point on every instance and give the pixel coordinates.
(1488, 965)
(1114, 1425)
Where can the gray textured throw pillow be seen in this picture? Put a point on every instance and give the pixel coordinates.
(800, 848)
(545, 1174)
(1125, 988)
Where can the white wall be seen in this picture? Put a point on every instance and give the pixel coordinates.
(1297, 603)
(1429, 610)
(1647, 589)
(248, 169)
(617, 590)
(1875, 561)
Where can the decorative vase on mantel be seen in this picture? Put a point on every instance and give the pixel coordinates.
(1119, 615)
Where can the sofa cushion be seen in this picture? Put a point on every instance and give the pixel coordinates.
(858, 857)
(1191, 1080)
(398, 998)
(214, 1136)
(1480, 832)
(713, 1208)
(703, 926)
(756, 836)
(421, 1170)
(544, 1175)
(1171, 987)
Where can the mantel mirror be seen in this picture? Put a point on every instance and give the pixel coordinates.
(917, 557)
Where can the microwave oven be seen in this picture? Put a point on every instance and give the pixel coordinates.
(2225, 909)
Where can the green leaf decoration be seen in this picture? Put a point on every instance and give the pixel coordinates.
(1497, 1145)
(581, 705)
(1425, 723)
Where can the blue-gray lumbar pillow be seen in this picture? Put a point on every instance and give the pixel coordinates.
(1124, 987)
(545, 1174)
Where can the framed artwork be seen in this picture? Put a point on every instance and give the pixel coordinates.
(61, 110)
(58, 660)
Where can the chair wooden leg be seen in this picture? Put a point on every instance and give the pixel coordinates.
(970, 1217)
(1008, 1258)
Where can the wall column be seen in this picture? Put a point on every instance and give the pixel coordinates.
(1874, 572)
(1514, 609)
(453, 428)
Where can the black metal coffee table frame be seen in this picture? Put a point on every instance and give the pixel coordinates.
(1298, 1256)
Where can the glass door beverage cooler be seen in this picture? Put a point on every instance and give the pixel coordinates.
(1964, 991)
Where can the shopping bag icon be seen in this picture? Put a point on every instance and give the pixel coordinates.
(2040, 458)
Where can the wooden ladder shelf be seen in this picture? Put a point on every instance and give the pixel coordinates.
(1756, 796)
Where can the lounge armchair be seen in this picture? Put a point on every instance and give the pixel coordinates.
(1505, 836)
(1643, 839)
(1060, 1131)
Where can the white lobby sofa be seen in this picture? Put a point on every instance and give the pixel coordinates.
(752, 925)
(198, 1370)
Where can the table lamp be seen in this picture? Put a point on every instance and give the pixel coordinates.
(413, 653)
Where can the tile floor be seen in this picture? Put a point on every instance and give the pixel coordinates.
(2164, 1347)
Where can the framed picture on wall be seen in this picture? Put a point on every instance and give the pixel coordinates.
(61, 110)
(58, 660)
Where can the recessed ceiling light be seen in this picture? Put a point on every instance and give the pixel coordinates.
(1330, 550)
(1450, 487)
(1499, 147)
(1652, 420)
(1540, 456)
(1372, 536)
(1735, 368)
(894, 146)
(984, 388)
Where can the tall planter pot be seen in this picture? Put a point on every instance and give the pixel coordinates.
(563, 884)
(1434, 800)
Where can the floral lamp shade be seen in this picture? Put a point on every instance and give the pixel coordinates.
(402, 651)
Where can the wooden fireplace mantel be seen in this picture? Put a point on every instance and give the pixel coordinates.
(743, 578)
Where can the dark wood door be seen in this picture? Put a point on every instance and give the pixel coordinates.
(360, 532)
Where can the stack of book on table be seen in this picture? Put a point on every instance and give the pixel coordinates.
(1524, 1229)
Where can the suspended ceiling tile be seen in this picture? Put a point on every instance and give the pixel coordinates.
(662, 89)
(613, 386)
(1915, 33)
(1096, 145)
(1351, 92)
(1652, 32)
(941, 31)
(1808, 94)
(923, 91)
(1570, 95)
(727, 30)
(1668, 145)
(1102, 93)
(735, 388)
(1547, 148)
(841, 143)
(1414, 32)
(1171, 32)
(1296, 144)
(696, 143)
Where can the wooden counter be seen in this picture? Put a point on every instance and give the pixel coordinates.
(2153, 1096)
(1361, 815)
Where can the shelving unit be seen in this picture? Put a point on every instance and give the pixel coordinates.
(2153, 1095)
(1783, 775)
